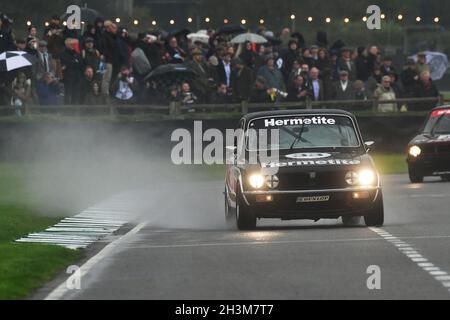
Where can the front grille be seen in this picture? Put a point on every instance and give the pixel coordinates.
(306, 181)
(436, 149)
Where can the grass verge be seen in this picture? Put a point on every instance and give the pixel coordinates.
(24, 267)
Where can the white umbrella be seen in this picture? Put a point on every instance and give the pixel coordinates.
(12, 60)
(438, 63)
(201, 37)
(249, 37)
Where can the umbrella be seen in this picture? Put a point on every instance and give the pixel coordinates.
(12, 60)
(438, 63)
(179, 33)
(230, 29)
(201, 37)
(168, 74)
(88, 15)
(249, 37)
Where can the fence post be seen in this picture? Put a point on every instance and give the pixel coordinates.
(375, 105)
(308, 103)
(174, 108)
(244, 106)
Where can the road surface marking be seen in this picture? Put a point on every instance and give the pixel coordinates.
(414, 255)
(62, 289)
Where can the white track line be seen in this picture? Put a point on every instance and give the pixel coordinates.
(415, 256)
(62, 289)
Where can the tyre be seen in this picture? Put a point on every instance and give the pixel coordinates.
(375, 216)
(229, 212)
(351, 221)
(245, 219)
(414, 176)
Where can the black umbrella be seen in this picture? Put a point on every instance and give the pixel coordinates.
(87, 15)
(231, 29)
(14, 60)
(179, 33)
(169, 74)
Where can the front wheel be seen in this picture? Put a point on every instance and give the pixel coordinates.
(375, 216)
(245, 219)
(414, 176)
(351, 221)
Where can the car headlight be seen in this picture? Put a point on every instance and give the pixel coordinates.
(351, 178)
(415, 151)
(365, 177)
(256, 181)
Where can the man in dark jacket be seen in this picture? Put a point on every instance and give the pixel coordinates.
(224, 69)
(344, 89)
(242, 80)
(111, 54)
(6, 37)
(200, 84)
(345, 63)
(410, 79)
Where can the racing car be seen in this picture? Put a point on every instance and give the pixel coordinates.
(321, 170)
(429, 152)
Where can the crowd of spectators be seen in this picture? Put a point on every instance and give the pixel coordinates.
(105, 64)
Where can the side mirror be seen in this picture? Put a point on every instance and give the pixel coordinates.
(369, 144)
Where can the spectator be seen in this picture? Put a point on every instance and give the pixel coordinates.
(316, 85)
(273, 76)
(90, 55)
(363, 73)
(48, 90)
(360, 91)
(124, 87)
(345, 63)
(260, 92)
(187, 97)
(71, 66)
(385, 92)
(224, 69)
(200, 85)
(248, 55)
(124, 44)
(111, 53)
(86, 83)
(21, 45)
(32, 33)
(242, 79)
(324, 65)
(422, 65)
(410, 78)
(6, 35)
(221, 96)
(374, 81)
(94, 95)
(21, 93)
(298, 92)
(290, 57)
(296, 71)
(426, 87)
(45, 63)
(175, 53)
(344, 89)
(387, 67)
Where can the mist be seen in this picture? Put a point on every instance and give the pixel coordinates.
(70, 167)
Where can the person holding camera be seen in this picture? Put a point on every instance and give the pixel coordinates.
(125, 86)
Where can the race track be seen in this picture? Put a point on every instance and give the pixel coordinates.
(183, 251)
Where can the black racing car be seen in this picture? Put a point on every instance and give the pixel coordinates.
(429, 152)
(302, 164)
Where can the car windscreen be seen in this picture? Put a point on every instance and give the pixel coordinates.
(438, 122)
(302, 132)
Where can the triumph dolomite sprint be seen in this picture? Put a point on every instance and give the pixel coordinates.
(322, 170)
(429, 152)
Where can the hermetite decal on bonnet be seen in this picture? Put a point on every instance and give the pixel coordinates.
(308, 155)
(330, 162)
